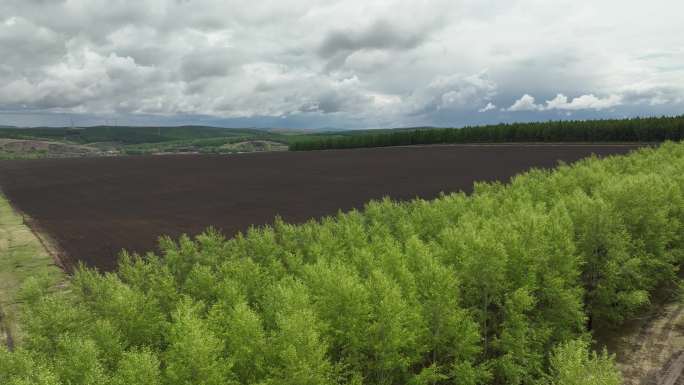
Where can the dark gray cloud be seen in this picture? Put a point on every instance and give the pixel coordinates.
(455, 92)
(207, 63)
(649, 94)
(379, 35)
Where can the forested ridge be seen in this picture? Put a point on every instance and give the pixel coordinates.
(499, 287)
(609, 130)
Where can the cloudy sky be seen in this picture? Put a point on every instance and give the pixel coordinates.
(343, 64)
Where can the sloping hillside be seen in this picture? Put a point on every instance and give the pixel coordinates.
(30, 148)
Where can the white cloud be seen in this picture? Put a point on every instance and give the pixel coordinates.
(561, 102)
(525, 103)
(584, 102)
(488, 107)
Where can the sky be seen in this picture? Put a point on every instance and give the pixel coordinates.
(337, 64)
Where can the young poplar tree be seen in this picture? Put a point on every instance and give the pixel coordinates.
(573, 363)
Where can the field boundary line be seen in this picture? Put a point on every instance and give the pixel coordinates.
(23, 255)
(49, 244)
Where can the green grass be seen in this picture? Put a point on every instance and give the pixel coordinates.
(12, 155)
(21, 256)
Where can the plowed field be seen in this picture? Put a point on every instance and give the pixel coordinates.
(94, 207)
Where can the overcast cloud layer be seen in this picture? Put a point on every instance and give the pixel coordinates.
(346, 64)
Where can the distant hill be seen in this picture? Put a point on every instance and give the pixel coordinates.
(130, 140)
(138, 140)
(126, 134)
(33, 149)
(379, 130)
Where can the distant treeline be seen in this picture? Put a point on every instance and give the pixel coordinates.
(615, 130)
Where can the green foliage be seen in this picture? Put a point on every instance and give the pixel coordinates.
(136, 314)
(494, 288)
(137, 367)
(193, 352)
(244, 339)
(51, 317)
(573, 364)
(76, 361)
(622, 130)
(34, 288)
(21, 368)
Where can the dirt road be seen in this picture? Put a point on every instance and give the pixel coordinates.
(653, 352)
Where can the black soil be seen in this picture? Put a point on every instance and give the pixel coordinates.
(94, 207)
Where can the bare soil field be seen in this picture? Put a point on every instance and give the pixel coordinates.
(94, 207)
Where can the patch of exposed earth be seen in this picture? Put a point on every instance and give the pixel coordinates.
(652, 351)
(41, 148)
(255, 146)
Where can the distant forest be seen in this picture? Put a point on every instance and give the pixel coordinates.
(615, 130)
